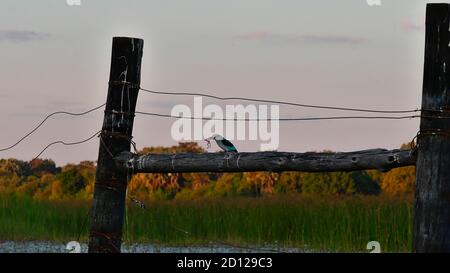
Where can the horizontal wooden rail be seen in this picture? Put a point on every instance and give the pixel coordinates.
(379, 159)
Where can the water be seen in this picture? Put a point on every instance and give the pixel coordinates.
(55, 247)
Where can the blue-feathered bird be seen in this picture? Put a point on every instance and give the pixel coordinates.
(222, 142)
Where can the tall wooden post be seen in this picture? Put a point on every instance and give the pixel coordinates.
(432, 204)
(111, 183)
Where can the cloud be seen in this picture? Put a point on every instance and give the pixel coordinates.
(416, 24)
(332, 39)
(20, 36)
(409, 25)
(305, 38)
(256, 35)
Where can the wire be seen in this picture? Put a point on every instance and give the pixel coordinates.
(45, 119)
(282, 102)
(66, 143)
(284, 119)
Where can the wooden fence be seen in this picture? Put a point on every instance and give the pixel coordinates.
(431, 156)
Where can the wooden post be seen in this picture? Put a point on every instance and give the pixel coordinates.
(111, 183)
(432, 203)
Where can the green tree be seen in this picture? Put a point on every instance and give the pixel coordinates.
(328, 183)
(72, 181)
(365, 184)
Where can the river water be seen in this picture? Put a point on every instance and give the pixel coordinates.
(54, 247)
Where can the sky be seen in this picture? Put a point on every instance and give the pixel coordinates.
(326, 52)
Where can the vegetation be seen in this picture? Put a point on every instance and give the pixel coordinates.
(312, 222)
(329, 211)
(42, 180)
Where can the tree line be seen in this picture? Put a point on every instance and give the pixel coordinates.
(41, 179)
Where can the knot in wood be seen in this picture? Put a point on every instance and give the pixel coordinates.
(281, 160)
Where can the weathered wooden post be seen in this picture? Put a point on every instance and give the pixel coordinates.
(111, 183)
(432, 204)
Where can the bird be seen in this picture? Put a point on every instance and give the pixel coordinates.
(222, 142)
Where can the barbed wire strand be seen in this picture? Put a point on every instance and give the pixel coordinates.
(281, 102)
(282, 119)
(67, 143)
(45, 119)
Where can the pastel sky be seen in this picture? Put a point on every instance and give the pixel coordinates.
(328, 52)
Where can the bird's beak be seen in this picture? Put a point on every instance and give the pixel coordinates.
(208, 142)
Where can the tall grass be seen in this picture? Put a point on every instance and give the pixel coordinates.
(312, 222)
(22, 218)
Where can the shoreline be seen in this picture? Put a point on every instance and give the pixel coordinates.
(59, 247)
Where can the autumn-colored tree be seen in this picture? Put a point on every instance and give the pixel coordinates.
(399, 181)
(42, 180)
(289, 182)
(183, 147)
(15, 167)
(56, 191)
(197, 180)
(30, 186)
(44, 192)
(40, 167)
